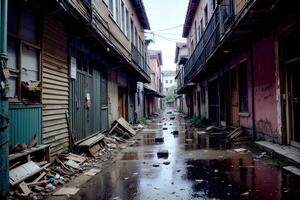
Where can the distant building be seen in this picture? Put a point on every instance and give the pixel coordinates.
(181, 56)
(168, 78)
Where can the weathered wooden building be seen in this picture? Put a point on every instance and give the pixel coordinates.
(153, 90)
(73, 67)
(241, 70)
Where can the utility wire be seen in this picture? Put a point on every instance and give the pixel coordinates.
(169, 28)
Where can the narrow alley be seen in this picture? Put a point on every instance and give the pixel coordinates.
(149, 99)
(196, 167)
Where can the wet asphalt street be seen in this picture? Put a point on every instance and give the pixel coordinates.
(197, 167)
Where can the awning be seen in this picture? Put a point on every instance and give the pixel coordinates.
(150, 91)
(186, 88)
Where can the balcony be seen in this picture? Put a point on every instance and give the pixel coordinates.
(140, 61)
(220, 22)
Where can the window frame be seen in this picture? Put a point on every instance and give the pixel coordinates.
(20, 42)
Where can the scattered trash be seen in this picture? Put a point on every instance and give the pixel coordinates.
(126, 178)
(261, 155)
(163, 154)
(66, 191)
(175, 132)
(240, 150)
(245, 193)
(166, 162)
(199, 180)
(72, 164)
(159, 139)
(92, 172)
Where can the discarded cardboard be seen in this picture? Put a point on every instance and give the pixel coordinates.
(66, 191)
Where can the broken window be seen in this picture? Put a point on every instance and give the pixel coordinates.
(23, 54)
(243, 87)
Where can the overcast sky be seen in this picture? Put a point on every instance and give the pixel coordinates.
(164, 14)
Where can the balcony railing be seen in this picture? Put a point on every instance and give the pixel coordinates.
(219, 23)
(140, 60)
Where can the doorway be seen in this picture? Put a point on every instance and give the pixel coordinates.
(294, 103)
(122, 105)
(234, 98)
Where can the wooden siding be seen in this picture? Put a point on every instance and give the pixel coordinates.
(55, 94)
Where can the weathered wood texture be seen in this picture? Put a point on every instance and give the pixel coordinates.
(55, 96)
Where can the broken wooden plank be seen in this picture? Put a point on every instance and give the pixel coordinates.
(91, 141)
(238, 133)
(76, 158)
(234, 131)
(94, 149)
(22, 171)
(18, 178)
(126, 126)
(29, 151)
(25, 189)
(39, 177)
(32, 184)
(112, 128)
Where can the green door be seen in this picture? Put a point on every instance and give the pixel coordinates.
(89, 111)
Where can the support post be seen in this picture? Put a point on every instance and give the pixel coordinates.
(4, 169)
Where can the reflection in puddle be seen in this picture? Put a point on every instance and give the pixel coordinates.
(217, 175)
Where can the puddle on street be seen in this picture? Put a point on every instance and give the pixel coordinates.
(197, 167)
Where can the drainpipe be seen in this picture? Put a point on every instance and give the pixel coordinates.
(4, 180)
(252, 94)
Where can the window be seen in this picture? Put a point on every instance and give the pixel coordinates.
(166, 81)
(171, 81)
(201, 26)
(243, 87)
(131, 31)
(117, 12)
(23, 49)
(196, 37)
(136, 37)
(123, 16)
(206, 15)
(111, 6)
(127, 24)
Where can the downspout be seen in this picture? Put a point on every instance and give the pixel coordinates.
(4, 169)
(254, 136)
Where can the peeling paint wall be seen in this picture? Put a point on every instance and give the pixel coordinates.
(265, 87)
(112, 87)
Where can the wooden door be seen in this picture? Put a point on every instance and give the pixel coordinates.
(234, 98)
(294, 94)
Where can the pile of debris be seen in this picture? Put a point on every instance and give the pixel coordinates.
(121, 128)
(32, 174)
